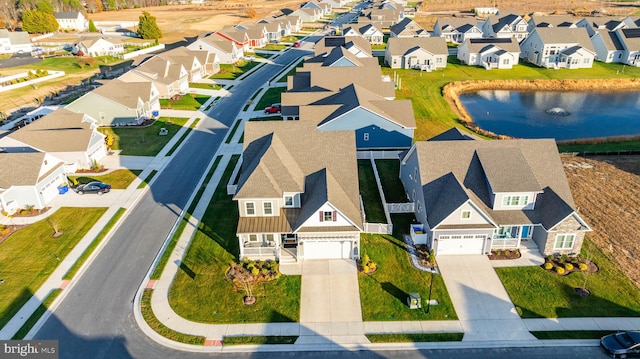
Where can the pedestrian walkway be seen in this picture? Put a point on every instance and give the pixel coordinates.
(480, 300)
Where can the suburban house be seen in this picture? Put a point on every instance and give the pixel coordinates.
(339, 57)
(71, 20)
(378, 123)
(407, 28)
(226, 51)
(558, 47)
(497, 53)
(237, 36)
(383, 17)
(630, 39)
(29, 179)
(456, 30)
(356, 45)
(168, 77)
(424, 53)
(298, 193)
(307, 14)
(552, 21)
(98, 46)
(607, 46)
(368, 31)
(511, 25)
(324, 7)
(593, 24)
(14, 42)
(69, 136)
(275, 30)
(256, 33)
(474, 196)
(119, 103)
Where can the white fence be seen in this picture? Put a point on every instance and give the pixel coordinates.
(379, 155)
(40, 37)
(52, 75)
(378, 228)
(400, 207)
(143, 51)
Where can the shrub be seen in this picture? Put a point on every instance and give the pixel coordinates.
(559, 270)
(548, 266)
(568, 266)
(255, 271)
(564, 258)
(583, 266)
(365, 268)
(550, 258)
(432, 256)
(366, 259)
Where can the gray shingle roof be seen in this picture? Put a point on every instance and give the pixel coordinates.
(292, 156)
(565, 35)
(401, 45)
(21, 169)
(125, 93)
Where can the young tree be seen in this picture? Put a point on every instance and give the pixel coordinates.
(92, 26)
(147, 27)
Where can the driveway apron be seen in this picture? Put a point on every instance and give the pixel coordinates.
(480, 300)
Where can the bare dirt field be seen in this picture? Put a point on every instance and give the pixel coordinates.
(179, 22)
(607, 192)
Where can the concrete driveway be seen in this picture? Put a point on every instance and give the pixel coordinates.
(480, 300)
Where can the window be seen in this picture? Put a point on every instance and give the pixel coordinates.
(415, 177)
(253, 238)
(328, 216)
(267, 208)
(438, 60)
(366, 136)
(250, 208)
(466, 215)
(505, 62)
(564, 241)
(508, 201)
(288, 201)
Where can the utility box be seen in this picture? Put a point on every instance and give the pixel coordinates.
(414, 301)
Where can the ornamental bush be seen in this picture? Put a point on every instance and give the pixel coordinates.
(548, 266)
(568, 266)
(583, 266)
(559, 270)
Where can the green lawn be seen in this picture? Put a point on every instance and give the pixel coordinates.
(571, 334)
(184, 135)
(415, 337)
(158, 327)
(200, 292)
(197, 85)
(33, 319)
(270, 97)
(268, 118)
(146, 181)
(369, 191)
(291, 72)
(383, 294)
(70, 64)
(291, 38)
(613, 146)
(389, 172)
(233, 71)
(233, 131)
(144, 141)
(118, 179)
(188, 102)
(537, 293)
(273, 47)
(259, 340)
(433, 113)
(31, 254)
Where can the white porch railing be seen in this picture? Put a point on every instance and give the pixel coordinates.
(401, 207)
(503, 243)
(490, 65)
(253, 252)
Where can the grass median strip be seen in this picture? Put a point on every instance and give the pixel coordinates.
(259, 340)
(76, 266)
(414, 337)
(158, 327)
(571, 334)
(233, 131)
(33, 319)
(146, 181)
(184, 135)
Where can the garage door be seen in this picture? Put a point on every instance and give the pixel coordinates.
(327, 249)
(467, 244)
(50, 190)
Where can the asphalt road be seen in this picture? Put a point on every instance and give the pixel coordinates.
(95, 319)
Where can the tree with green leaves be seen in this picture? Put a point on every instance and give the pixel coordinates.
(92, 26)
(147, 27)
(38, 22)
(45, 6)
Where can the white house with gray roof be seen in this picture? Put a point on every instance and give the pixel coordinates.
(169, 77)
(497, 53)
(69, 136)
(607, 46)
(298, 193)
(29, 178)
(226, 51)
(457, 30)
(508, 26)
(12, 42)
(71, 20)
(558, 47)
(407, 28)
(473, 196)
(119, 103)
(425, 53)
(630, 40)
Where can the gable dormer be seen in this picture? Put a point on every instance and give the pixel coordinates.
(511, 183)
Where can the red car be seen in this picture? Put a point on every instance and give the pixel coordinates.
(297, 44)
(275, 108)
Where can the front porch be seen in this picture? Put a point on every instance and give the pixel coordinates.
(510, 237)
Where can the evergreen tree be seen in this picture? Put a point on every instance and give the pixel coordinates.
(92, 26)
(45, 6)
(36, 21)
(147, 27)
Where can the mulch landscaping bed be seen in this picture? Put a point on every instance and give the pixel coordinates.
(505, 254)
(557, 263)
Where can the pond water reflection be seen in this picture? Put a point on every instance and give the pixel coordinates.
(554, 114)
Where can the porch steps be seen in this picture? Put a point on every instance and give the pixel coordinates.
(289, 265)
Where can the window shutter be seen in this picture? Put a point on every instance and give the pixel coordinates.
(335, 216)
(321, 216)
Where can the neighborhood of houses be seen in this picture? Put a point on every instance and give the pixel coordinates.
(297, 190)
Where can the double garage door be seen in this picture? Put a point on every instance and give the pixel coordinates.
(327, 249)
(461, 244)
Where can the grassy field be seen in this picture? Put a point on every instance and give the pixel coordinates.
(196, 85)
(233, 71)
(434, 115)
(118, 179)
(200, 292)
(31, 254)
(189, 102)
(369, 191)
(593, 148)
(271, 96)
(383, 294)
(144, 141)
(537, 293)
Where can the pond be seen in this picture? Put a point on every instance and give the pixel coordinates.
(554, 114)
